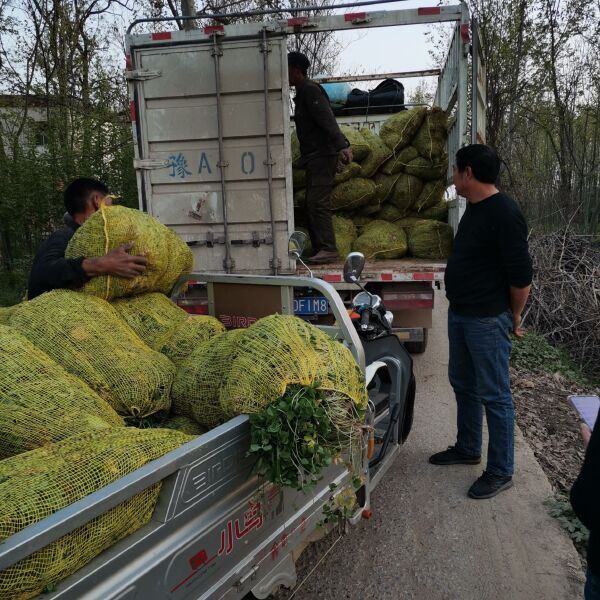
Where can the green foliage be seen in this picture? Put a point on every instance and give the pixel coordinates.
(294, 438)
(560, 508)
(534, 353)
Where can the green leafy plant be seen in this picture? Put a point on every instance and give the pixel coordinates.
(298, 435)
(534, 353)
(560, 508)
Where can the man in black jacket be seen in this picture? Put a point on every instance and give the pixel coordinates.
(487, 280)
(585, 498)
(51, 270)
(322, 148)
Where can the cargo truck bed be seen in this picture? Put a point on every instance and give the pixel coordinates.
(401, 269)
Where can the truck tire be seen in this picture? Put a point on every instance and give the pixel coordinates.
(417, 347)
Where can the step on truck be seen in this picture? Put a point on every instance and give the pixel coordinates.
(211, 125)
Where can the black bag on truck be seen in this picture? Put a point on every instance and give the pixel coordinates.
(387, 97)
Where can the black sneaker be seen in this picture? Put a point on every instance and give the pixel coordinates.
(454, 456)
(488, 485)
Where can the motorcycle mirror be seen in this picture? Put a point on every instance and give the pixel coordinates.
(297, 243)
(355, 263)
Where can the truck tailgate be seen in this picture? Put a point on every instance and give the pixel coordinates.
(401, 269)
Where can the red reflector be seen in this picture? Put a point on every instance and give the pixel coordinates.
(465, 33)
(195, 309)
(355, 17)
(128, 62)
(429, 10)
(297, 21)
(423, 276)
(210, 29)
(161, 35)
(332, 277)
(387, 277)
(132, 114)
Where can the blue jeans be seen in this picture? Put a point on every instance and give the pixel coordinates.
(592, 587)
(478, 372)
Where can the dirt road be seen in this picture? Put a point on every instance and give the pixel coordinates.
(427, 540)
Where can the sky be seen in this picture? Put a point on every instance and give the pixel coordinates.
(387, 49)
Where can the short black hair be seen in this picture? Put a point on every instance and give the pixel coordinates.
(78, 191)
(297, 59)
(483, 160)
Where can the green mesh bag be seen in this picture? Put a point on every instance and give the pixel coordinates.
(385, 186)
(397, 162)
(184, 425)
(389, 213)
(298, 179)
(358, 144)
(36, 484)
(427, 170)
(348, 172)
(40, 402)
(291, 352)
(360, 221)
(295, 143)
(431, 139)
(381, 239)
(439, 212)
(406, 192)
(430, 239)
(398, 130)
(353, 194)
(345, 234)
(431, 195)
(86, 336)
(377, 156)
(112, 226)
(164, 326)
(197, 384)
(5, 312)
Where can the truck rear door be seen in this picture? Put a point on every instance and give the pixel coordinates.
(211, 121)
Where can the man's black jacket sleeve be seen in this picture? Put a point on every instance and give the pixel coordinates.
(585, 494)
(51, 270)
(320, 110)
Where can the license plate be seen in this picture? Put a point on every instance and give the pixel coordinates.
(316, 305)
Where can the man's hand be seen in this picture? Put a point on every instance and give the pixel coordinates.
(344, 158)
(586, 434)
(117, 262)
(517, 329)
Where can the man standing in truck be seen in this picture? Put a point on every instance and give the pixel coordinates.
(51, 270)
(488, 279)
(323, 148)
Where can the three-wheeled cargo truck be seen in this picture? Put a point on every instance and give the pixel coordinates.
(211, 124)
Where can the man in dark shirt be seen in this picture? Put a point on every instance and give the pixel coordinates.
(585, 498)
(322, 148)
(51, 270)
(488, 278)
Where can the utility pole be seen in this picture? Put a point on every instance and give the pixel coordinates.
(188, 9)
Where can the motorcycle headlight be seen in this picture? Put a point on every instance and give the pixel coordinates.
(389, 317)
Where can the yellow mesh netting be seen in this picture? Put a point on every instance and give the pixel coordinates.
(184, 424)
(38, 483)
(86, 336)
(164, 326)
(197, 384)
(40, 402)
(110, 227)
(243, 370)
(5, 312)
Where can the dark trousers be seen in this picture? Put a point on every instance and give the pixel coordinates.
(320, 173)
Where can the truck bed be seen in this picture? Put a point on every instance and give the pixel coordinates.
(401, 269)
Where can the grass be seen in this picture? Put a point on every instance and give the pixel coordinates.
(534, 353)
(13, 285)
